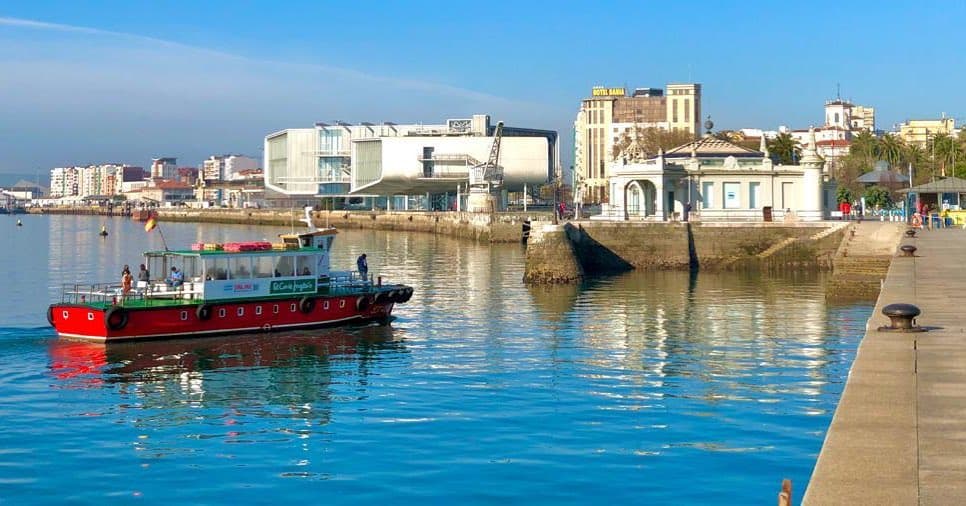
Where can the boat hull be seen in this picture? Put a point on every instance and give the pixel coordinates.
(119, 323)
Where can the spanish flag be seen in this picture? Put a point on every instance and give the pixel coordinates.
(149, 226)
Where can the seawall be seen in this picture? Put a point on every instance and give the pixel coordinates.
(498, 227)
(608, 247)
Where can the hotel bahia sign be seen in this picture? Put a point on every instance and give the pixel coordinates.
(600, 91)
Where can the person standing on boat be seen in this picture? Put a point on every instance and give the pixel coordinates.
(175, 279)
(144, 275)
(126, 281)
(363, 266)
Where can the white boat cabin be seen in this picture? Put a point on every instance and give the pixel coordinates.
(297, 265)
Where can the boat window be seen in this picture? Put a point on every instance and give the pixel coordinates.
(192, 268)
(263, 266)
(285, 266)
(155, 267)
(241, 267)
(217, 267)
(305, 265)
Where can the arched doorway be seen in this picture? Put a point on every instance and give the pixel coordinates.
(640, 198)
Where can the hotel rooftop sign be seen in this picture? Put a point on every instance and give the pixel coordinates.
(600, 91)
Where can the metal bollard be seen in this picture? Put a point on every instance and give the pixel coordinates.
(902, 317)
(908, 250)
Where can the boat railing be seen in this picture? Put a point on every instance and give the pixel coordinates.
(113, 293)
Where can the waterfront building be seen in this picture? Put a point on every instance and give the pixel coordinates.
(64, 182)
(168, 192)
(342, 159)
(721, 181)
(223, 167)
(164, 168)
(919, 131)
(610, 113)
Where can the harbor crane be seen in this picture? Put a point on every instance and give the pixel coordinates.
(486, 177)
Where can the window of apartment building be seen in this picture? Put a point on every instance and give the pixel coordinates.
(754, 195)
(707, 195)
(687, 110)
(674, 110)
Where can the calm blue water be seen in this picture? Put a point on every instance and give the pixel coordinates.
(648, 388)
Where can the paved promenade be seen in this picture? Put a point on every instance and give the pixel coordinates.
(899, 433)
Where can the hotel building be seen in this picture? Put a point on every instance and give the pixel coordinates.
(610, 112)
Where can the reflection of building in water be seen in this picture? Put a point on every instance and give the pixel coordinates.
(721, 328)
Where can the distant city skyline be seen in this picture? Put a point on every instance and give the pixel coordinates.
(126, 82)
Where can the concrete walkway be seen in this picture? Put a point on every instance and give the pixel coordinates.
(899, 433)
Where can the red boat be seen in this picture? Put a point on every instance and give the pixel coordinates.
(229, 288)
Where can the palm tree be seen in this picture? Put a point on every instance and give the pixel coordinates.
(866, 146)
(785, 149)
(891, 148)
(944, 150)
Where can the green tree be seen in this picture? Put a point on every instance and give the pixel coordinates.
(945, 149)
(784, 149)
(878, 197)
(844, 194)
(866, 146)
(891, 149)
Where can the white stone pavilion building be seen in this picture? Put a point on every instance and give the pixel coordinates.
(721, 181)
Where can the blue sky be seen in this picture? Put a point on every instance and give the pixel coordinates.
(126, 81)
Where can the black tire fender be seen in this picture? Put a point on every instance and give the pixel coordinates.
(362, 303)
(406, 294)
(50, 315)
(382, 297)
(203, 312)
(306, 305)
(115, 318)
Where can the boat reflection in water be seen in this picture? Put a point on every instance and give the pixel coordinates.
(287, 369)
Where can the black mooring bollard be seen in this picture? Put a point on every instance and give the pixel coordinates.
(908, 250)
(902, 317)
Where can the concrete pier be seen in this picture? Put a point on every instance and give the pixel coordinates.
(899, 433)
(550, 256)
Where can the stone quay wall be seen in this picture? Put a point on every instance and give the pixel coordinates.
(609, 247)
(715, 245)
(497, 227)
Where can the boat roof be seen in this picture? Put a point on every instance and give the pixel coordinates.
(315, 233)
(208, 253)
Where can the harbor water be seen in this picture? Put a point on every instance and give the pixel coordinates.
(644, 388)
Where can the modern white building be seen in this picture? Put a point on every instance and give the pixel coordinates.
(64, 182)
(390, 159)
(720, 181)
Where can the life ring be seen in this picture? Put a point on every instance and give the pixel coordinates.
(306, 305)
(115, 318)
(203, 312)
(362, 303)
(916, 220)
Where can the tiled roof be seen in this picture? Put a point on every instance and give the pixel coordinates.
(711, 147)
